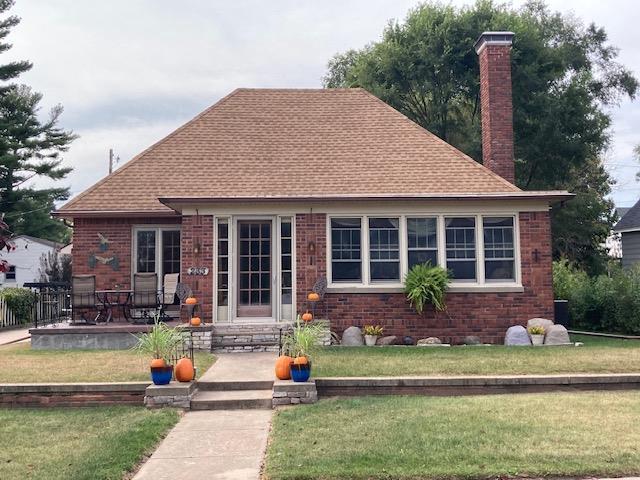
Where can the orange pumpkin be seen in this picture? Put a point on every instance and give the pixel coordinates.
(301, 361)
(158, 363)
(184, 370)
(283, 367)
(307, 316)
(313, 297)
(195, 321)
(191, 301)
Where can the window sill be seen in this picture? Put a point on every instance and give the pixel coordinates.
(472, 288)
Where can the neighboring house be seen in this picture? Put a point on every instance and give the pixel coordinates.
(269, 190)
(613, 243)
(629, 229)
(24, 260)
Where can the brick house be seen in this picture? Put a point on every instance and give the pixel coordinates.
(269, 190)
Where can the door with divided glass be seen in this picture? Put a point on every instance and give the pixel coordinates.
(254, 269)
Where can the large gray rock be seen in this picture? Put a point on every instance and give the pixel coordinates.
(539, 322)
(352, 337)
(388, 340)
(557, 335)
(471, 340)
(429, 341)
(517, 336)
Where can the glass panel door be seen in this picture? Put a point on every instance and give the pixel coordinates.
(254, 268)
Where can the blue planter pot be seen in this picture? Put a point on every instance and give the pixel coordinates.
(161, 375)
(300, 373)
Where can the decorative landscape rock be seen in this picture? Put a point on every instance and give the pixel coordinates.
(517, 336)
(408, 340)
(471, 340)
(556, 335)
(430, 341)
(388, 340)
(352, 337)
(540, 322)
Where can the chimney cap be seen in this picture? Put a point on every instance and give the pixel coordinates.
(493, 38)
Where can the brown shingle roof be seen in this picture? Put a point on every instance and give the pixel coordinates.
(258, 143)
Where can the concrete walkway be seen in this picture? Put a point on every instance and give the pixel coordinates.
(13, 335)
(219, 444)
(216, 445)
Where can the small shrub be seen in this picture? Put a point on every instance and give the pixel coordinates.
(375, 330)
(536, 330)
(426, 284)
(20, 301)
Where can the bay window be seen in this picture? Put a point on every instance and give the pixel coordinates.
(377, 251)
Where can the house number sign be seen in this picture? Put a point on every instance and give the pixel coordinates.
(200, 271)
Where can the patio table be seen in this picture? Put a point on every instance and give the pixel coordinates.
(114, 299)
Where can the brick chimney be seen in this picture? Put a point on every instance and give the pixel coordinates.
(494, 50)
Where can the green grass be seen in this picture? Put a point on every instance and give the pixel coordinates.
(60, 366)
(462, 437)
(78, 443)
(598, 355)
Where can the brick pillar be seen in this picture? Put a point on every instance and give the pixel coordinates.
(494, 50)
(197, 251)
(311, 228)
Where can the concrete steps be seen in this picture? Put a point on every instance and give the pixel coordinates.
(232, 400)
(233, 385)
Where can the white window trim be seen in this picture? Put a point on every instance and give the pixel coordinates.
(134, 250)
(276, 298)
(479, 285)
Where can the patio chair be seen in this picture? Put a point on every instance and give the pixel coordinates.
(169, 290)
(146, 302)
(83, 296)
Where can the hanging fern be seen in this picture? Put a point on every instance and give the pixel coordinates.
(426, 284)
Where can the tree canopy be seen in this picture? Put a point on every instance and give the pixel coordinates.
(30, 150)
(565, 75)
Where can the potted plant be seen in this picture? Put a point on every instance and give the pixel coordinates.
(536, 332)
(426, 284)
(371, 334)
(159, 343)
(300, 344)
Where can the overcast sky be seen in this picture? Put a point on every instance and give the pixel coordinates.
(130, 71)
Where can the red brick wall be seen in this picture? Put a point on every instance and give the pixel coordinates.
(119, 233)
(197, 231)
(497, 110)
(486, 315)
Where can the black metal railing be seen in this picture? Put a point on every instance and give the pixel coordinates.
(52, 302)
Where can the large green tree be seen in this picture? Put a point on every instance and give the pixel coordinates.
(564, 74)
(30, 150)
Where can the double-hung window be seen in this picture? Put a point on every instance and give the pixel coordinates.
(10, 274)
(499, 249)
(384, 249)
(460, 237)
(346, 250)
(422, 241)
(378, 251)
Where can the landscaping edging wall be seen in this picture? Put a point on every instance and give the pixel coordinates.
(72, 394)
(287, 392)
(456, 386)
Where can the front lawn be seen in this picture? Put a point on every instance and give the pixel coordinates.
(78, 443)
(20, 364)
(463, 437)
(598, 355)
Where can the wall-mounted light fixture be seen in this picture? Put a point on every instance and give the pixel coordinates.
(311, 247)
